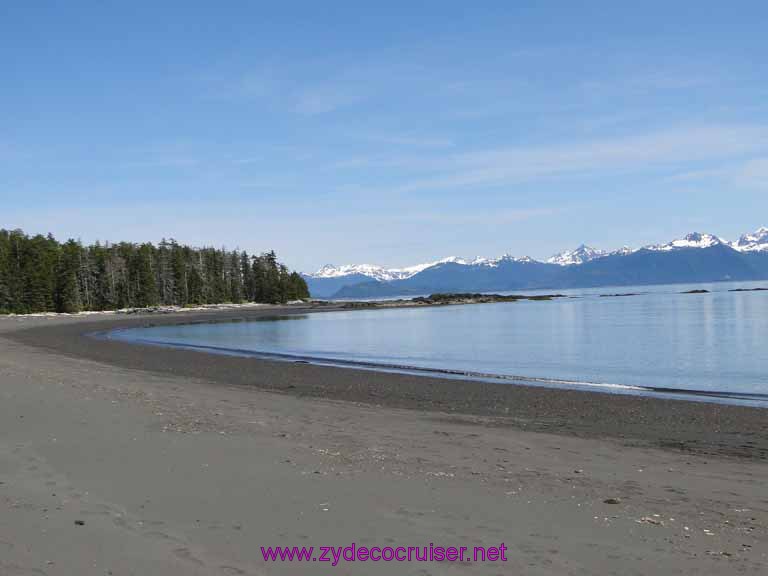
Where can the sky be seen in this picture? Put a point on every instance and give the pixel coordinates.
(390, 133)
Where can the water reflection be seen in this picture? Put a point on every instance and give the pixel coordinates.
(661, 338)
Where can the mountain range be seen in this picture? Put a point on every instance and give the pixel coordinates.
(695, 257)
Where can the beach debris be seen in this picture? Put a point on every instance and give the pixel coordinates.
(650, 520)
(79, 522)
(441, 474)
(716, 553)
(612, 501)
(578, 471)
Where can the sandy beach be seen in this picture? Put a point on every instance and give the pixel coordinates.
(126, 459)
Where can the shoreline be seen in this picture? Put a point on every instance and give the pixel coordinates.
(756, 400)
(688, 426)
(120, 458)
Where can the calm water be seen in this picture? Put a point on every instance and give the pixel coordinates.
(660, 339)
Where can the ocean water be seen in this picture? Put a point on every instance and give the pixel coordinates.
(713, 344)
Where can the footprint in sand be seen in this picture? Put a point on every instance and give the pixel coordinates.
(162, 536)
(185, 554)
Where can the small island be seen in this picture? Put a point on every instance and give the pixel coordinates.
(438, 299)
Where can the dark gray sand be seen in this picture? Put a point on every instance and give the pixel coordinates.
(121, 459)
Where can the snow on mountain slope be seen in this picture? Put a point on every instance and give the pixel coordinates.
(370, 270)
(379, 272)
(387, 274)
(752, 242)
(692, 240)
(582, 254)
(756, 241)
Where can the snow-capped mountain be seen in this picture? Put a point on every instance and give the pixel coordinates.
(692, 240)
(379, 272)
(753, 242)
(582, 254)
(369, 270)
(757, 241)
(696, 257)
(387, 274)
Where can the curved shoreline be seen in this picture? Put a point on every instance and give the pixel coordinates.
(741, 398)
(709, 428)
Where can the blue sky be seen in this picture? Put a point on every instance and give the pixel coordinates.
(392, 133)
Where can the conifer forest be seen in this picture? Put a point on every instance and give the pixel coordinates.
(40, 274)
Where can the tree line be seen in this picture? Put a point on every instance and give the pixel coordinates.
(40, 274)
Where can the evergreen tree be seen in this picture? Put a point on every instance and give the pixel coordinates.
(146, 285)
(235, 278)
(37, 274)
(5, 288)
(37, 258)
(67, 296)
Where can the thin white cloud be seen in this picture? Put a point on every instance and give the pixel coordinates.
(706, 174)
(325, 98)
(642, 153)
(753, 174)
(168, 162)
(483, 217)
(650, 82)
(746, 174)
(414, 141)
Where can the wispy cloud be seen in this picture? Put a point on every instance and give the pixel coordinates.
(650, 82)
(753, 174)
(414, 141)
(258, 83)
(329, 97)
(166, 162)
(484, 217)
(643, 153)
(746, 174)
(699, 175)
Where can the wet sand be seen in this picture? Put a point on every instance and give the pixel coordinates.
(182, 462)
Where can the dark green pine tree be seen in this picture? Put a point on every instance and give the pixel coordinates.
(235, 278)
(246, 271)
(273, 293)
(37, 274)
(180, 275)
(299, 288)
(258, 279)
(196, 286)
(103, 279)
(67, 296)
(6, 304)
(146, 284)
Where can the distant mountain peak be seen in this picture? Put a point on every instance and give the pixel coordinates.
(756, 241)
(379, 272)
(580, 255)
(369, 270)
(692, 240)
